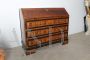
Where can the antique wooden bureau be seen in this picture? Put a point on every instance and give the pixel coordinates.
(43, 26)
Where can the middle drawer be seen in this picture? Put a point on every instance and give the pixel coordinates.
(45, 31)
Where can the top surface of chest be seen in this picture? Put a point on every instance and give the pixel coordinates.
(32, 13)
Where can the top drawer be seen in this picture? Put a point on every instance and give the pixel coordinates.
(40, 23)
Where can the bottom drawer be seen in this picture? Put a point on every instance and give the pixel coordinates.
(31, 42)
(46, 43)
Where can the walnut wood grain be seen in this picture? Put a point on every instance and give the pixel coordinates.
(45, 24)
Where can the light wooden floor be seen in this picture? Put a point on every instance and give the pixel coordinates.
(78, 48)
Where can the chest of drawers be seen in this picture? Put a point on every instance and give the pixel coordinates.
(43, 26)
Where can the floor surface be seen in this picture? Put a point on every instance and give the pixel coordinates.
(78, 48)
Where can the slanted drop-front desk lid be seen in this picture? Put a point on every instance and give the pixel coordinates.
(30, 13)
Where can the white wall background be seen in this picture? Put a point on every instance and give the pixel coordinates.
(10, 34)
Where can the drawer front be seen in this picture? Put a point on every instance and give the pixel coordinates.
(45, 31)
(45, 23)
(32, 42)
(61, 21)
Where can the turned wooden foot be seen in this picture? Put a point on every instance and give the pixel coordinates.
(65, 42)
(28, 52)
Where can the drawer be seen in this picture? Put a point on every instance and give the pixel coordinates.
(45, 31)
(49, 22)
(61, 21)
(45, 23)
(35, 24)
(36, 33)
(64, 28)
(31, 42)
(54, 38)
(42, 40)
